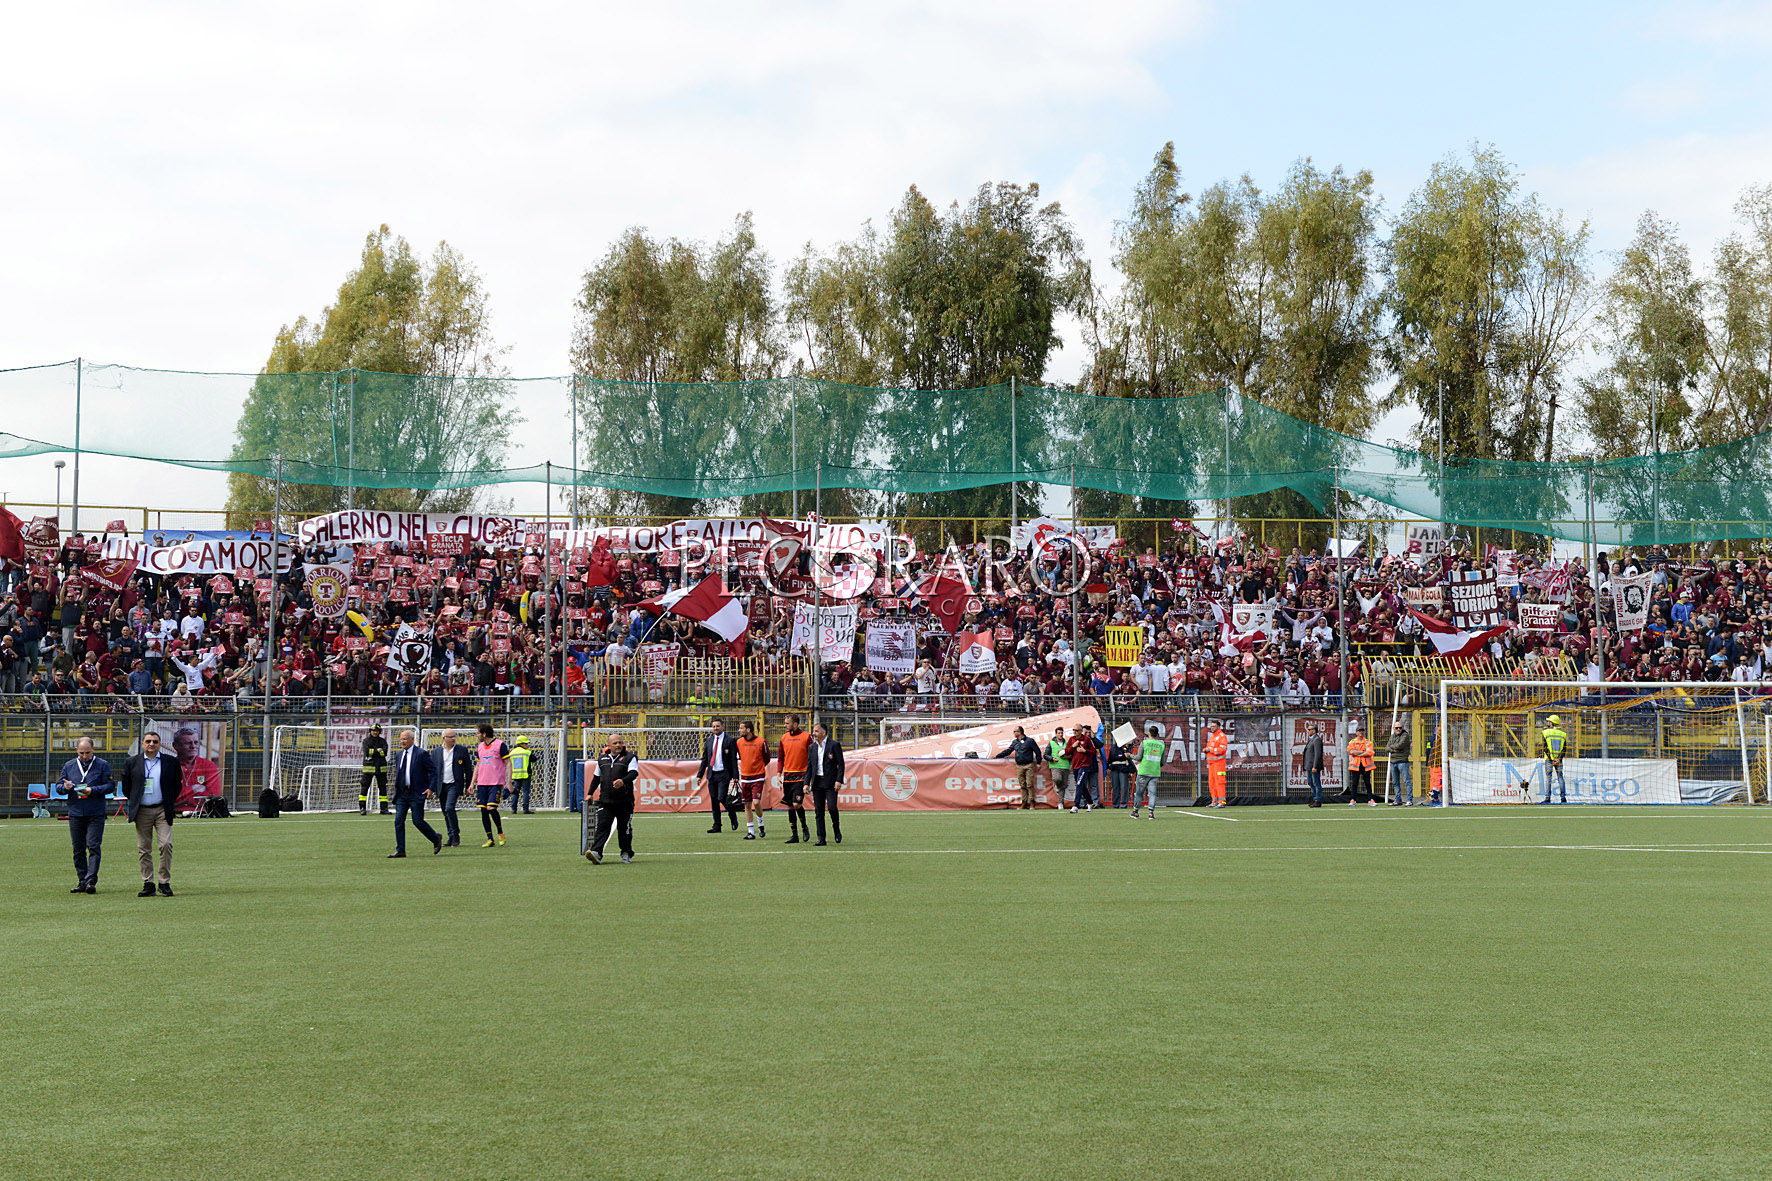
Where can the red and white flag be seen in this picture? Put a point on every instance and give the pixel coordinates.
(976, 652)
(1453, 644)
(709, 604)
(113, 573)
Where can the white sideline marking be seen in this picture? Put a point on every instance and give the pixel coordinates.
(1731, 847)
(1199, 815)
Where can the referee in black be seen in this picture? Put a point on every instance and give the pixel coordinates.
(616, 772)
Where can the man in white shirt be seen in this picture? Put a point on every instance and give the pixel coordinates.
(152, 783)
(192, 625)
(1011, 692)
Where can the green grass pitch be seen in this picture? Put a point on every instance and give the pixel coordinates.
(1263, 993)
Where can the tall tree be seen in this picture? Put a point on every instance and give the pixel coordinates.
(1486, 297)
(1653, 321)
(399, 374)
(652, 316)
(1738, 394)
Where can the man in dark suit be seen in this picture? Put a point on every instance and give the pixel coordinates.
(87, 780)
(412, 783)
(454, 770)
(719, 765)
(152, 782)
(825, 766)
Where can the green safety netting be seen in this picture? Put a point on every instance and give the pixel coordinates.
(715, 441)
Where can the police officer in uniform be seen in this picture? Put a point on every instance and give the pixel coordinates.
(375, 766)
(521, 761)
(616, 772)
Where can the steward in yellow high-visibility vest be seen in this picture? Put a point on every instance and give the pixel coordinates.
(1556, 745)
(521, 762)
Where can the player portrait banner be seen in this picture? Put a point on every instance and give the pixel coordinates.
(327, 586)
(870, 785)
(202, 751)
(1590, 781)
(1475, 604)
(1630, 598)
(1252, 618)
(1124, 644)
(835, 627)
(1425, 542)
(892, 647)
(1540, 617)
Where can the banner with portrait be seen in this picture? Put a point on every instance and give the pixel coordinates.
(892, 647)
(1630, 599)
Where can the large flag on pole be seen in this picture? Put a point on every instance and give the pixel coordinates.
(1453, 644)
(709, 604)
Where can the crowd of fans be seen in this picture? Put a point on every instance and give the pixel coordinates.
(200, 640)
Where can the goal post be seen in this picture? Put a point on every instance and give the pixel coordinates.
(547, 758)
(323, 765)
(1623, 742)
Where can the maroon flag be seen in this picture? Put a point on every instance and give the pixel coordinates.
(111, 573)
(12, 537)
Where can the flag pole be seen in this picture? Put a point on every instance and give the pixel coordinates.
(271, 616)
(1076, 629)
(1340, 609)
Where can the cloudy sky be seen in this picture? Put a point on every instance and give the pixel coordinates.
(183, 178)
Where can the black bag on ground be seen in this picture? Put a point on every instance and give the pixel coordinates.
(290, 803)
(268, 804)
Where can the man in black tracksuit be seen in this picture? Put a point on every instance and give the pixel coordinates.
(616, 772)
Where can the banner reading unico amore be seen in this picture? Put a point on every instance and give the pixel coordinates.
(871, 785)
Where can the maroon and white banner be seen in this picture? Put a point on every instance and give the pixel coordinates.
(1540, 617)
(699, 538)
(218, 555)
(356, 526)
(1474, 600)
(1041, 530)
(892, 647)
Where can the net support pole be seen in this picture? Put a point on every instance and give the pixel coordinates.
(794, 443)
(79, 375)
(572, 403)
(271, 615)
(817, 597)
(1014, 458)
(1340, 610)
(351, 437)
(547, 594)
(1076, 628)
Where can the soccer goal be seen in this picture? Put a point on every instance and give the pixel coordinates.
(646, 742)
(1623, 742)
(323, 765)
(547, 762)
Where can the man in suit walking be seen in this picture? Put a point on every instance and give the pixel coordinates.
(152, 782)
(454, 770)
(719, 765)
(87, 780)
(826, 768)
(412, 783)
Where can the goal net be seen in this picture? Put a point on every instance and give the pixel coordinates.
(323, 765)
(1649, 742)
(646, 742)
(547, 758)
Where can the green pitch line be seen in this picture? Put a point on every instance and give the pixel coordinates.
(1555, 993)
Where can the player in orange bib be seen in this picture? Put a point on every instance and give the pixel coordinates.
(793, 755)
(1218, 747)
(753, 775)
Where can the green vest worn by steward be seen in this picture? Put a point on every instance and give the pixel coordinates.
(1055, 756)
(1150, 757)
(520, 762)
(1555, 742)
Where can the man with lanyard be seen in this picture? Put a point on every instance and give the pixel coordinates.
(375, 766)
(521, 762)
(151, 786)
(87, 781)
(616, 772)
(1026, 753)
(1556, 745)
(1150, 767)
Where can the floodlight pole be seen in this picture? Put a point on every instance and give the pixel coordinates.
(1340, 606)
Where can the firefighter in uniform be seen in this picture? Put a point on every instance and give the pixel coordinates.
(1556, 745)
(521, 760)
(375, 766)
